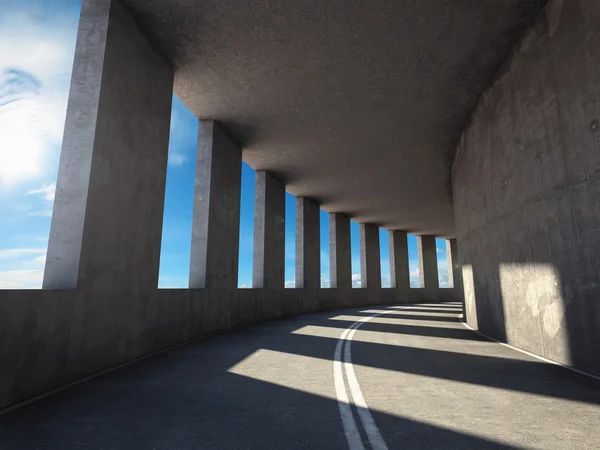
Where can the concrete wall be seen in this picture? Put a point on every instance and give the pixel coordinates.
(526, 181)
(50, 338)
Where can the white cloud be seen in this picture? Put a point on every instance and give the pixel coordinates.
(443, 273)
(35, 67)
(245, 286)
(415, 280)
(290, 284)
(22, 268)
(16, 253)
(176, 159)
(356, 280)
(386, 282)
(48, 191)
(21, 279)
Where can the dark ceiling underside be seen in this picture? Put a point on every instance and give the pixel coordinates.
(358, 104)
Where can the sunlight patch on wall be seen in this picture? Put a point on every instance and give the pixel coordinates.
(538, 285)
(469, 295)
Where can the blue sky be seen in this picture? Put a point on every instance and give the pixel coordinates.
(37, 43)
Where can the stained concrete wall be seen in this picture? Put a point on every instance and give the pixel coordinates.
(526, 182)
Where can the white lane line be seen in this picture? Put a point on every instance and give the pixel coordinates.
(343, 360)
(350, 429)
(377, 442)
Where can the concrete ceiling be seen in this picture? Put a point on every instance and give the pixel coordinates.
(358, 104)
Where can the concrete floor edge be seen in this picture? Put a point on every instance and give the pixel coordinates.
(534, 355)
(217, 325)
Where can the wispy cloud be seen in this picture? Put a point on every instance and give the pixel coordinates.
(16, 253)
(48, 191)
(36, 57)
(176, 159)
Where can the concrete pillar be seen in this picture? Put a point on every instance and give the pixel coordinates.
(399, 269)
(269, 232)
(107, 220)
(216, 220)
(308, 244)
(428, 268)
(340, 264)
(370, 259)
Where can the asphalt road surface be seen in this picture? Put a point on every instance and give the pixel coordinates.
(396, 377)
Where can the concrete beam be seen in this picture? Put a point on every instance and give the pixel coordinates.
(308, 244)
(370, 258)
(269, 232)
(428, 268)
(340, 264)
(107, 220)
(399, 268)
(216, 220)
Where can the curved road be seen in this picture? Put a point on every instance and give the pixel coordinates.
(409, 376)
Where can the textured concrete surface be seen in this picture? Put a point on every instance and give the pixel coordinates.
(268, 270)
(428, 267)
(215, 226)
(377, 93)
(114, 158)
(428, 381)
(370, 258)
(340, 255)
(527, 192)
(308, 244)
(399, 269)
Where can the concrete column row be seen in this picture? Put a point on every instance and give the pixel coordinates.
(107, 221)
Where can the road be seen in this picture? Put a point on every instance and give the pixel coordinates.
(397, 377)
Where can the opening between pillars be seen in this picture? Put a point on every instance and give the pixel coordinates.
(413, 261)
(442, 262)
